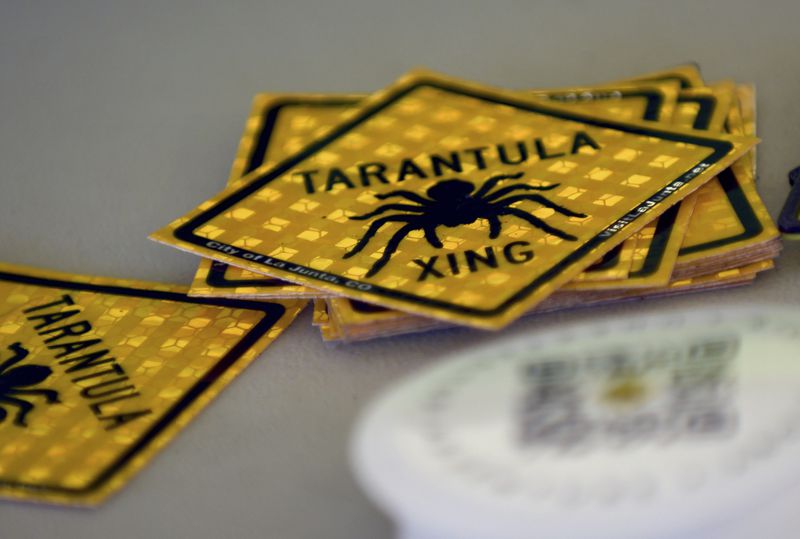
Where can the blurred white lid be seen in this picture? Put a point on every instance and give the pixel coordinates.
(656, 426)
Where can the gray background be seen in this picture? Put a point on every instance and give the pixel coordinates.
(117, 117)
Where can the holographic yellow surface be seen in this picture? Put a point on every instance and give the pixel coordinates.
(329, 333)
(622, 101)
(327, 327)
(746, 97)
(350, 322)
(654, 269)
(642, 273)
(320, 313)
(420, 132)
(689, 113)
(343, 309)
(283, 123)
(660, 277)
(279, 124)
(617, 273)
(241, 283)
(730, 215)
(712, 101)
(688, 75)
(98, 374)
(347, 314)
(629, 101)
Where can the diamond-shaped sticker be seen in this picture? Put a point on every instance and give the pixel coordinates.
(470, 192)
(99, 374)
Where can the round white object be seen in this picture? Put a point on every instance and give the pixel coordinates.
(657, 426)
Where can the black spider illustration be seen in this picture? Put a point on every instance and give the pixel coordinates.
(452, 203)
(14, 380)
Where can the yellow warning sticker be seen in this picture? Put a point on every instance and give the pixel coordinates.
(454, 200)
(730, 215)
(654, 101)
(661, 240)
(98, 374)
(278, 126)
(281, 124)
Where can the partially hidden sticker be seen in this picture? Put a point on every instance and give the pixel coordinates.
(351, 320)
(730, 216)
(98, 374)
(661, 240)
(278, 126)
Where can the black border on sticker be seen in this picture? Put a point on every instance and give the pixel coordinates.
(655, 252)
(733, 190)
(707, 103)
(217, 274)
(272, 314)
(608, 261)
(366, 308)
(744, 212)
(216, 278)
(652, 112)
(666, 220)
(720, 149)
(670, 77)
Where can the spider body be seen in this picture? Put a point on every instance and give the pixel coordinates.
(452, 203)
(15, 384)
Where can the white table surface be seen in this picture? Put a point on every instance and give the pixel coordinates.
(116, 117)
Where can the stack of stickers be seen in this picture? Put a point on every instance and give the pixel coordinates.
(438, 201)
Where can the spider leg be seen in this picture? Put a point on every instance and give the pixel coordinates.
(49, 395)
(494, 227)
(494, 180)
(390, 248)
(430, 235)
(408, 195)
(538, 223)
(373, 229)
(387, 207)
(541, 200)
(519, 187)
(24, 408)
(20, 353)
